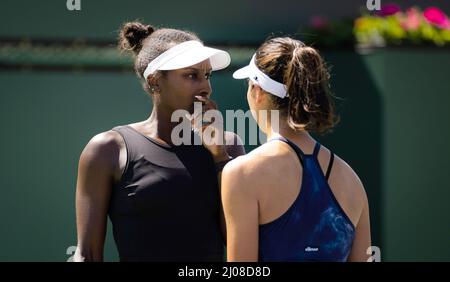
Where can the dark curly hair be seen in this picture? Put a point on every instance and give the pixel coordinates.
(147, 43)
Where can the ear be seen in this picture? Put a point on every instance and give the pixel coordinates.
(259, 94)
(153, 82)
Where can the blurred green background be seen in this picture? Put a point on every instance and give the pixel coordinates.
(393, 105)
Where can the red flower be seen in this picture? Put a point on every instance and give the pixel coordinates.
(319, 22)
(437, 17)
(388, 10)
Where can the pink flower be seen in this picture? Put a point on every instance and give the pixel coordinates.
(437, 17)
(318, 22)
(388, 10)
(412, 19)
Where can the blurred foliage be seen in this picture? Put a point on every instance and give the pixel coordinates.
(323, 33)
(390, 26)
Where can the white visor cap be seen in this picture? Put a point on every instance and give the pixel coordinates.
(263, 80)
(187, 54)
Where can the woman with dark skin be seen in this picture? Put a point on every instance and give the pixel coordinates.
(162, 199)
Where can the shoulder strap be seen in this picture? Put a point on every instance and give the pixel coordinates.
(330, 165)
(128, 137)
(316, 149)
(297, 150)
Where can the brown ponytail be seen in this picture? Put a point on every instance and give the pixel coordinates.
(309, 105)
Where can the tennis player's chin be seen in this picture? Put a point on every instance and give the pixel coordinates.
(190, 109)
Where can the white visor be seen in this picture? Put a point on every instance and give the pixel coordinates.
(187, 54)
(264, 81)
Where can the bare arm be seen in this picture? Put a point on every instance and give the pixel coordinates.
(362, 239)
(96, 170)
(234, 148)
(241, 215)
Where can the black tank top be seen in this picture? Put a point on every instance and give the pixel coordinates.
(166, 206)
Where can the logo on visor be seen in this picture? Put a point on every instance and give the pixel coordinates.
(255, 78)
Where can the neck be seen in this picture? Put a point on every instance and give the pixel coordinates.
(159, 125)
(286, 131)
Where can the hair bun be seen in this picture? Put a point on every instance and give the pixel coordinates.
(132, 35)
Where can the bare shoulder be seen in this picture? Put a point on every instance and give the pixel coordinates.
(103, 149)
(244, 166)
(347, 185)
(256, 169)
(343, 168)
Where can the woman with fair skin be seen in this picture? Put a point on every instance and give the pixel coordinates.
(292, 199)
(162, 198)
